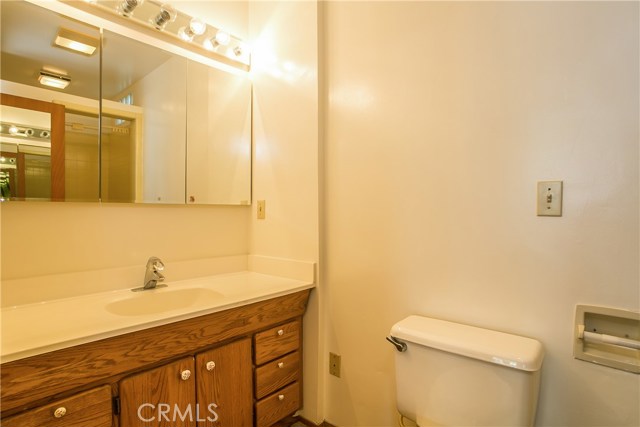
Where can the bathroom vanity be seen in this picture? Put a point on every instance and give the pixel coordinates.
(235, 364)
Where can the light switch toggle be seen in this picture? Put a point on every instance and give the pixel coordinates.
(550, 198)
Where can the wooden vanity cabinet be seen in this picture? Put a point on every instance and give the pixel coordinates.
(91, 408)
(151, 398)
(224, 379)
(278, 372)
(211, 389)
(245, 360)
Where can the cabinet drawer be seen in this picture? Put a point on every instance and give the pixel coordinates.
(276, 374)
(278, 405)
(88, 409)
(276, 342)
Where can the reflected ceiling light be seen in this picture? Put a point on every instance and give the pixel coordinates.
(167, 14)
(126, 7)
(20, 131)
(76, 42)
(222, 38)
(196, 28)
(50, 79)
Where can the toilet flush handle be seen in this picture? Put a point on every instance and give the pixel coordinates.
(400, 346)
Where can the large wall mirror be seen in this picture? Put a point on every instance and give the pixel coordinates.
(167, 130)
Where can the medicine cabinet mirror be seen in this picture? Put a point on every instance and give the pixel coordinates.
(168, 130)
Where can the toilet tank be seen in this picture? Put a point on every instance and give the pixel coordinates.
(459, 375)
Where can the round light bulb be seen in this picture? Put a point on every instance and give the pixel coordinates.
(167, 14)
(208, 44)
(126, 7)
(223, 38)
(185, 34)
(197, 26)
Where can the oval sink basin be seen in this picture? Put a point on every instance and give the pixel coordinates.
(161, 300)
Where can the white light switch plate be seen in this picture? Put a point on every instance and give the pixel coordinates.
(550, 198)
(261, 214)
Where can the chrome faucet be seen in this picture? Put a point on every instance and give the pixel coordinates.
(153, 274)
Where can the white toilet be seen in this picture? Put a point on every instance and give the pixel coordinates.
(449, 374)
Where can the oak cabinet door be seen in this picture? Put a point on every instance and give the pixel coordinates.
(225, 385)
(161, 397)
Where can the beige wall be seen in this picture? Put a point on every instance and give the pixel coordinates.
(441, 117)
(43, 238)
(285, 168)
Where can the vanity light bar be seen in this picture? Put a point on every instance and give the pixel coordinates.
(182, 29)
(14, 130)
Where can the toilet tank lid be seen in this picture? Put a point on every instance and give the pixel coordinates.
(501, 348)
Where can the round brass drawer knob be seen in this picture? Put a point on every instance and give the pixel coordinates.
(185, 375)
(60, 412)
(281, 397)
(280, 332)
(210, 366)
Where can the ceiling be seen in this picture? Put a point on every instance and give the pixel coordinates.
(27, 32)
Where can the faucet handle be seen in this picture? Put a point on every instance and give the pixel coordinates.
(158, 265)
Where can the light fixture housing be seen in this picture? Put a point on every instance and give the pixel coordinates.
(76, 42)
(58, 81)
(202, 39)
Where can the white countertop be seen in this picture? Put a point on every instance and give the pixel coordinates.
(32, 329)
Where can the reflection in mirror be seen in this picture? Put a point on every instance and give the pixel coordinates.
(218, 136)
(82, 172)
(66, 164)
(144, 122)
(33, 144)
(25, 161)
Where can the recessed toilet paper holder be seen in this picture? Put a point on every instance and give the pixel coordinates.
(608, 336)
